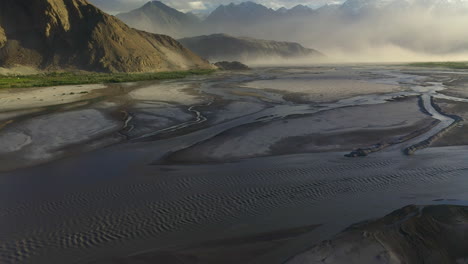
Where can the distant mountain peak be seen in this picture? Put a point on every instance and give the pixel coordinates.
(158, 4)
(301, 7)
(157, 17)
(300, 10)
(282, 9)
(243, 12)
(154, 3)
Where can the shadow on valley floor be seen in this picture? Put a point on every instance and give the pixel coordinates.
(436, 234)
(228, 251)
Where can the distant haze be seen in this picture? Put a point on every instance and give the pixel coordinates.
(357, 30)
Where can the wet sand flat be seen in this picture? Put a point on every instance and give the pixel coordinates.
(110, 201)
(263, 139)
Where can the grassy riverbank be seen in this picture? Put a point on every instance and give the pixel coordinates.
(67, 78)
(447, 64)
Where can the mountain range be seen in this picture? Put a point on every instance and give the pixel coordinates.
(222, 47)
(74, 34)
(359, 28)
(157, 17)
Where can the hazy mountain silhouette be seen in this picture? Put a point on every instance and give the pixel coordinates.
(159, 18)
(218, 47)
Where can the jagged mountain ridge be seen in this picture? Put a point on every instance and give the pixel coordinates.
(245, 12)
(250, 11)
(159, 18)
(225, 17)
(3, 38)
(74, 34)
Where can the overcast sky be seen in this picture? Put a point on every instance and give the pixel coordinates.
(114, 6)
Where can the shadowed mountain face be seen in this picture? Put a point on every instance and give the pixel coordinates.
(73, 34)
(159, 18)
(414, 234)
(225, 47)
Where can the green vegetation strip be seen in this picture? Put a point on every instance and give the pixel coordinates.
(57, 79)
(448, 64)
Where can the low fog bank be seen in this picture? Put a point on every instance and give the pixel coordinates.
(282, 61)
(378, 54)
(383, 54)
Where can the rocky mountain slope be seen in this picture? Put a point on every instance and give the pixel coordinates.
(74, 34)
(218, 47)
(159, 18)
(3, 38)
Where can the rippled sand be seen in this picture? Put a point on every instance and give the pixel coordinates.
(176, 205)
(116, 201)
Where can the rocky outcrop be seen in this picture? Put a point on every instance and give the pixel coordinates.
(222, 47)
(73, 34)
(364, 152)
(3, 38)
(231, 66)
(414, 234)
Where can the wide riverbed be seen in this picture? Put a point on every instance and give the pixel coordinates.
(225, 168)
